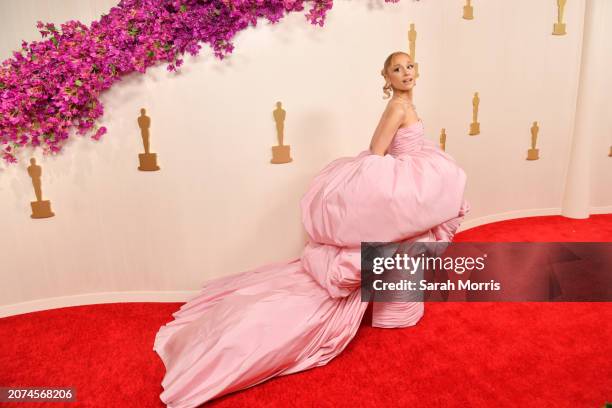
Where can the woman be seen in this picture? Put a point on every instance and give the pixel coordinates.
(289, 316)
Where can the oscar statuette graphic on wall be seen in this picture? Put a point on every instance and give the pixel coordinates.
(281, 153)
(533, 153)
(40, 208)
(148, 160)
(468, 10)
(475, 125)
(559, 26)
(443, 139)
(412, 36)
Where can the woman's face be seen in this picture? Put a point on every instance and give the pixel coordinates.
(401, 72)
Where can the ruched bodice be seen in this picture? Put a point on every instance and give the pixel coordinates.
(407, 140)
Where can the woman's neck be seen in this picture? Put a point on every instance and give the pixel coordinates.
(404, 96)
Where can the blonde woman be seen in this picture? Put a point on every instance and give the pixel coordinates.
(290, 316)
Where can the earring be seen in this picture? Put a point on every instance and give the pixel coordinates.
(387, 91)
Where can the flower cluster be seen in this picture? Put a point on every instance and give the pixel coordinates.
(52, 86)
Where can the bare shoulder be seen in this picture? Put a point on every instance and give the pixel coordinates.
(394, 111)
(396, 106)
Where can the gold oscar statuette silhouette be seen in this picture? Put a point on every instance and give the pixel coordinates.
(40, 208)
(475, 126)
(533, 153)
(443, 139)
(559, 26)
(412, 36)
(281, 153)
(148, 160)
(468, 10)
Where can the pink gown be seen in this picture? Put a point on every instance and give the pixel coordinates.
(290, 316)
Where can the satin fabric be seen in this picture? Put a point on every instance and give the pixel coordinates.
(290, 316)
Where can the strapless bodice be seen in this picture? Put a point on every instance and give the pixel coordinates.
(407, 139)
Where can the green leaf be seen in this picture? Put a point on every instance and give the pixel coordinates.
(2, 85)
(78, 82)
(183, 8)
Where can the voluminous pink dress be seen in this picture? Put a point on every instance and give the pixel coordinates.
(290, 316)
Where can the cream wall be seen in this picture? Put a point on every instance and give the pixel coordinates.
(219, 207)
(599, 115)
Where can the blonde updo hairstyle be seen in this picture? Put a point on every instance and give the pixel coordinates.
(387, 87)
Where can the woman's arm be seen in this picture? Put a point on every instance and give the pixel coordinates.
(390, 121)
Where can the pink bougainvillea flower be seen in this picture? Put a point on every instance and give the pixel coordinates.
(51, 88)
(99, 133)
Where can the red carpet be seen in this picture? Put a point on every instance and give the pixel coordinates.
(554, 228)
(459, 355)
